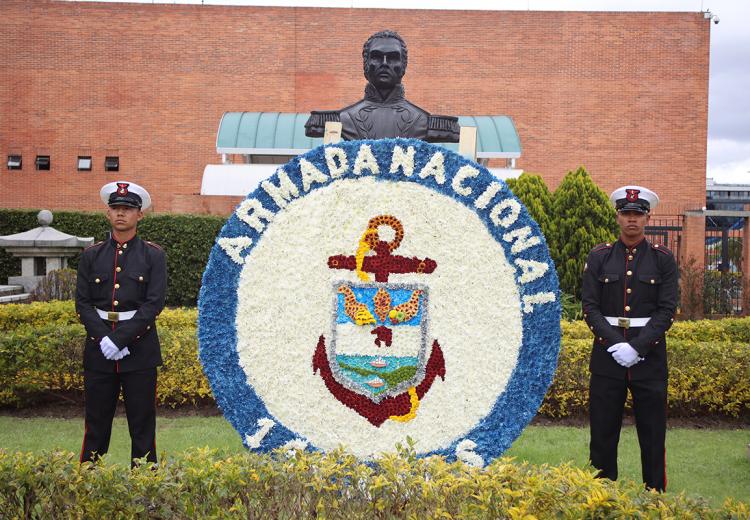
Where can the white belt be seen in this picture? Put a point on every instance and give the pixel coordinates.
(115, 316)
(626, 322)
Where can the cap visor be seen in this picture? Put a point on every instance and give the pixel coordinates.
(123, 202)
(633, 207)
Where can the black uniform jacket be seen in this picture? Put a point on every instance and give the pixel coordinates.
(637, 282)
(131, 276)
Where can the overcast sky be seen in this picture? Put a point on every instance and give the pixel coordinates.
(729, 83)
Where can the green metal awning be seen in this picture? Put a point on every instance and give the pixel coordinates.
(279, 133)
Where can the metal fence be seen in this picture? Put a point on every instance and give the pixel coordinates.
(722, 279)
(722, 282)
(666, 231)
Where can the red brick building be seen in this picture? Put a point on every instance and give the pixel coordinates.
(623, 94)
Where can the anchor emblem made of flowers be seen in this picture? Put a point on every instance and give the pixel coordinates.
(377, 362)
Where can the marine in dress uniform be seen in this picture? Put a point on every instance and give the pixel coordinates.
(120, 291)
(629, 297)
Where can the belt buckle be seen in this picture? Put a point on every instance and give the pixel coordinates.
(623, 322)
(113, 316)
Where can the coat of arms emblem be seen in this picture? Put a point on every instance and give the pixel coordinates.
(379, 360)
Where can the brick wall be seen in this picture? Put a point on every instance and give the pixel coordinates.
(624, 94)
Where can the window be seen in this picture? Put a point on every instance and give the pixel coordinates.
(42, 162)
(40, 266)
(84, 163)
(111, 163)
(15, 162)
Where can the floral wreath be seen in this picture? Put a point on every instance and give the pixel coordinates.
(371, 291)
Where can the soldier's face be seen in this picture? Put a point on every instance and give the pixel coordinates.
(632, 223)
(385, 66)
(124, 218)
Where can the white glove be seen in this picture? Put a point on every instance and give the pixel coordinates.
(624, 354)
(124, 352)
(109, 349)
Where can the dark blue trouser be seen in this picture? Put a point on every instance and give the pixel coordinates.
(606, 403)
(101, 391)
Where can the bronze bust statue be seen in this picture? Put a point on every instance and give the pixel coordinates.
(385, 112)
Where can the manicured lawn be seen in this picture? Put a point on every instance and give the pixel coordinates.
(710, 463)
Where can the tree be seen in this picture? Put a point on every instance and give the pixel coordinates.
(535, 195)
(582, 217)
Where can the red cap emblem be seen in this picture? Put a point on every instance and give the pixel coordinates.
(632, 194)
(122, 188)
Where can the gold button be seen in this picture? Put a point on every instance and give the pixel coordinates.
(629, 290)
(119, 246)
(606, 280)
(93, 338)
(97, 280)
(633, 250)
(118, 269)
(117, 286)
(627, 308)
(656, 246)
(119, 252)
(607, 246)
(125, 246)
(140, 279)
(585, 315)
(148, 327)
(630, 257)
(115, 303)
(601, 339)
(652, 280)
(630, 273)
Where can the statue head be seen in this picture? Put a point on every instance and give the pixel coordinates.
(384, 58)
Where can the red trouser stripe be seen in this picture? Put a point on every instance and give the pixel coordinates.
(83, 443)
(156, 392)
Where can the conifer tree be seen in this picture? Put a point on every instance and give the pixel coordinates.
(582, 217)
(534, 194)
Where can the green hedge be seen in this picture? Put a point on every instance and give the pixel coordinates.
(203, 484)
(187, 239)
(41, 349)
(40, 355)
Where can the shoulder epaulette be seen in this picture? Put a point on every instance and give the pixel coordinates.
(315, 125)
(153, 244)
(661, 249)
(602, 247)
(95, 245)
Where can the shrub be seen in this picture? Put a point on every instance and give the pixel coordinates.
(37, 314)
(37, 361)
(691, 289)
(535, 195)
(705, 377)
(722, 293)
(203, 484)
(57, 285)
(40, 355)
(41, 352)
(582, 218)
(571, 308)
